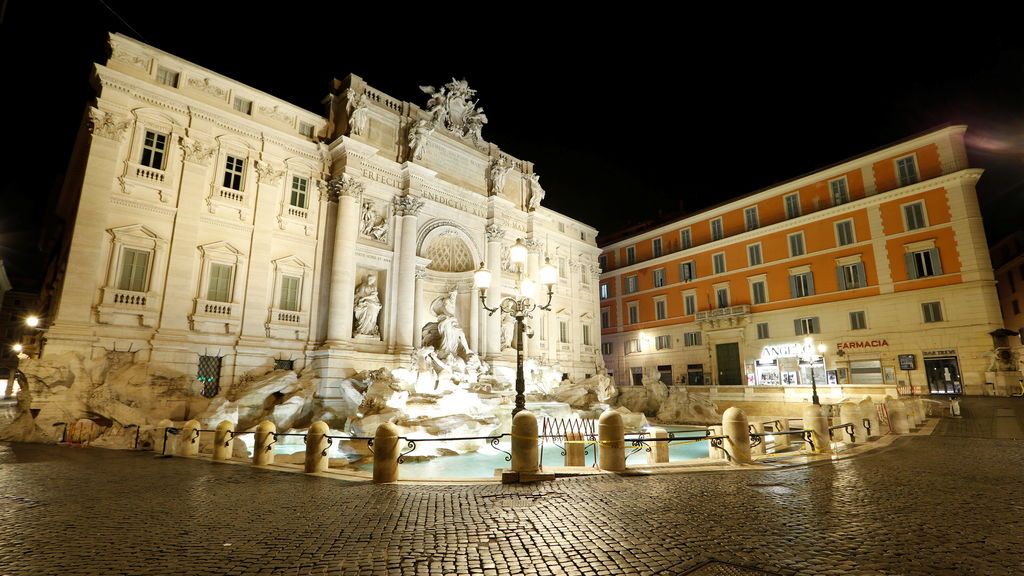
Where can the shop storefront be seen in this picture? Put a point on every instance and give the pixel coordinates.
(942, 368)
(781, 365)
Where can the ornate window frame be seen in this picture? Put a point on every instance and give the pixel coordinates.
(152, 184)
(224, 198)
(289, 324)
(124, 307)
(289, 216)
(218, 317)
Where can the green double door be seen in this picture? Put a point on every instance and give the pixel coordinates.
(729, 371)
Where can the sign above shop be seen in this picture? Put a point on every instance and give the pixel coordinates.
(862, 344)
(945, 352)
(781, 350)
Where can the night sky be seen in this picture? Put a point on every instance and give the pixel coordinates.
(627, 117)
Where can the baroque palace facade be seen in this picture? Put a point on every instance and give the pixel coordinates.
(882, 258)
(220, 231)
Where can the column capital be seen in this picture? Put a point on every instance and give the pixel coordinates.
(495, 233)
(534, 246)
(343, 185)
(407, 205)
(106, 124)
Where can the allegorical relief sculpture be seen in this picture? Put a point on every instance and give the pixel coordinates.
(371, 225)
(451, 107)
(367, 307)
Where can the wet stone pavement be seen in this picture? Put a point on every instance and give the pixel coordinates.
(951, 503)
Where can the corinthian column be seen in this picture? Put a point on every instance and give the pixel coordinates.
(495, 234)
(406, 208)
(345, 190)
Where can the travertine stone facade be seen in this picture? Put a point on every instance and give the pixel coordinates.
(876, 257)
(211, 219)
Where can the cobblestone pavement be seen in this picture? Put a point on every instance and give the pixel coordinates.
(924, 506)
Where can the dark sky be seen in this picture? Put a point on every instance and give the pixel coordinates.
(627, 116)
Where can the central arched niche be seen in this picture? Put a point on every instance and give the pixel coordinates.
(449, 248)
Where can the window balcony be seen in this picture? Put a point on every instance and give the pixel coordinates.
(230, 195)
(148, 174)
(288, 324)
(128, 308)
(723, 317)
(216, 317)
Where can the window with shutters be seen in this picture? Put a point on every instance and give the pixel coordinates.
(659, 277)
(586, 334)
(656, 247)
(662, 342)
(632, 346)
(906, 170)
(914, 216)
(631, 284)
(290, 290)
(840, 195)
(630, 255)
(563, 331)
(806, 326)
(851, 276)
(762, 331)
(932, 312)
(691, 339)
(722, 297)
(603, 291)
(218, 287)
(685, 238)
(858, 321)
(690, 304)
(923, 263)
(844, 233)
(660, 309)
(687, 272)
(792, 204)
(718, 262)
(801, 285)
(606, 348)
(243, 105)
(134, 273)
(605, 318)
(717, 232)
(167, 77)
(758, 292)
(754, 254)
(796, 244)
(634, 312)
(750, 218)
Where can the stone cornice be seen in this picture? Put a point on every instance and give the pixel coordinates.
(182, 104)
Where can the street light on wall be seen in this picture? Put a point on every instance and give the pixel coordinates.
(519, 306)
(811, 353)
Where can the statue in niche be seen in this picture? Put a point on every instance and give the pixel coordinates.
(371, 226)
(444, 342)
(499, 170)
(367, 307)
(358, 113)
(536, 192)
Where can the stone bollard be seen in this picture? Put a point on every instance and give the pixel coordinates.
(762, 446)
(316, 448)
(736, 426)
(385, 454)
(262, 450)
(922, 411)
(222, 441)
(159, 434)
(611, 442)
(659, 450)
(898, 423)
(849, 413)
(525, 455)
(575, 449)
(910, 411)
(188, 439)
(869, 412)
(782, 441)
(817, 423)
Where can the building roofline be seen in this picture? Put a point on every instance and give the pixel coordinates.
(667, 221)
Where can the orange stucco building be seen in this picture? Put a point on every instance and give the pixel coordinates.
(882, 258)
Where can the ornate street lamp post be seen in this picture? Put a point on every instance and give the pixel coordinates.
(810, 356)
(519, 306)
